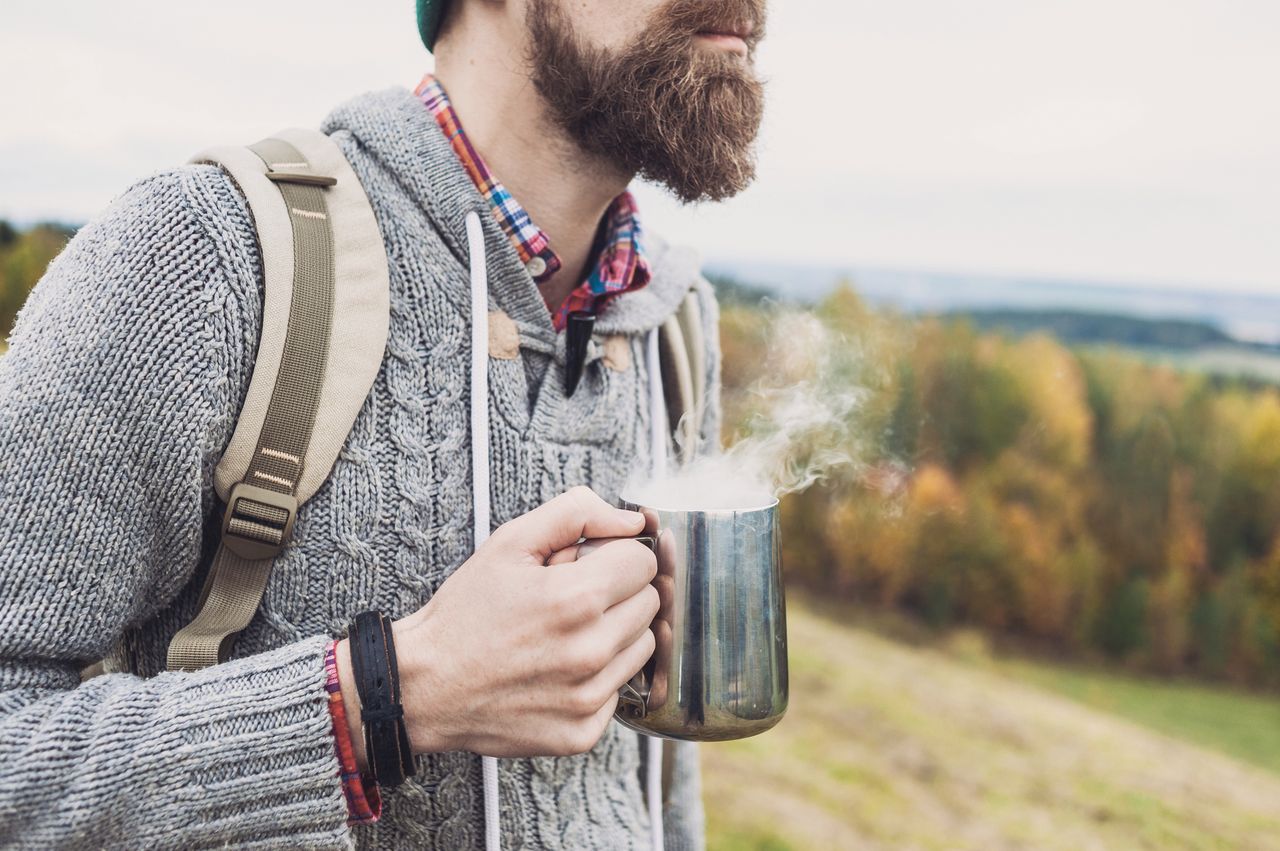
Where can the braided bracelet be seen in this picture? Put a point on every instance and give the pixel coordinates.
(373, 665)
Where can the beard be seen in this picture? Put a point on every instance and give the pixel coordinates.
(666, 108)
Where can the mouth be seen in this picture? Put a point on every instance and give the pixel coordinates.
(735, 37)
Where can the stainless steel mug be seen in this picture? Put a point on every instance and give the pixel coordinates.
(719, 670)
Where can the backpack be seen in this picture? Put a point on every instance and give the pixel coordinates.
(326, 305)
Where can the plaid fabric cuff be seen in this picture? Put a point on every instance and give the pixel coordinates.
(364, 803)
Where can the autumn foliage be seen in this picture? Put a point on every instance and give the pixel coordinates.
(1087, 501)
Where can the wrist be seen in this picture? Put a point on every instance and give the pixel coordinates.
(423, 689)
(414, 669)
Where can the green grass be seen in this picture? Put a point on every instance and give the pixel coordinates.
(1245, 726)
(893, 746)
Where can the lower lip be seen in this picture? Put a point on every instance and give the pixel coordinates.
(725, 40)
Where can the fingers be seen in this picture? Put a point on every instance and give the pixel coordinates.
(626, 621)
(626, 664)
(605, 713)
(566, 556)
(662, 656)
(615, 571)
(579, 550)
(560, 523)
(666, 585)
(596, 725)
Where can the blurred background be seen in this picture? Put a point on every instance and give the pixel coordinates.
(1042, 608)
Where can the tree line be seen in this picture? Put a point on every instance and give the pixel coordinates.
(1086, 500)
(24, 254)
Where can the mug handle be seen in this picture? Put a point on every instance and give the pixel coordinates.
(586, 546)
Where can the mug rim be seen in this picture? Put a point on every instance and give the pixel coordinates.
(773, 503)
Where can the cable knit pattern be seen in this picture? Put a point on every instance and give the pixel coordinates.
(126, 372)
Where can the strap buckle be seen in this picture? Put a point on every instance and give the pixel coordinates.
(303, 179)
(258, 522)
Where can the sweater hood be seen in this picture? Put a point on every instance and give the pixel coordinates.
(394, 127)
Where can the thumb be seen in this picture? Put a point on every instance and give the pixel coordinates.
(575, 514)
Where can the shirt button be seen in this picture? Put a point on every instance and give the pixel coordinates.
(536, 266)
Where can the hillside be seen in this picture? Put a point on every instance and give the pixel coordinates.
(1194, 346)
(895, 747)
(1071, 326)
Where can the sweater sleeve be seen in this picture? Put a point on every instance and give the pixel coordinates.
(118, 393)
(364, 803)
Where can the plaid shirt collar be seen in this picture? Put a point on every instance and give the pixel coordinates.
(620, 266)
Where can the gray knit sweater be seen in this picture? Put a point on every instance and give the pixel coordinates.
(125, 375)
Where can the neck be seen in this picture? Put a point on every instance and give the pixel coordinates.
(564, 190)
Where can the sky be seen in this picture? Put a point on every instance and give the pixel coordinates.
(1134, 141)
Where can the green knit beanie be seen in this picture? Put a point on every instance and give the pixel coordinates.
(429, 12)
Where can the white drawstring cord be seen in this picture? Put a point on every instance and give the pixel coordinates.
(657, 470)
(480, 467)
(481, 504)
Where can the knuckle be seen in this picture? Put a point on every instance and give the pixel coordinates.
(583, 738)
(596, 600)
(602, 719)
(587, 659)
(633, 550)
(629, 556)
(572, 607)
(642, 556)
(582, 496)
(582, 702)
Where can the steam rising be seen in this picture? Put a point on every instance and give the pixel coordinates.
(799, 424)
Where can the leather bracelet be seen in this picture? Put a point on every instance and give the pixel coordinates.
(373, 683)
(381, 713)
(406, 749)
(377, 683)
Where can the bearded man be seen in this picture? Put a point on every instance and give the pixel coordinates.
(130, 364)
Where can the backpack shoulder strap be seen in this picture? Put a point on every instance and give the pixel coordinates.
(326, 290)
(351, 244)
(683, 359)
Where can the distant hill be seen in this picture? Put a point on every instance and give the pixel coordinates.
(1247, 316)
(1186, 344)
(730, 290)
(1225, 335)
(1073, 326)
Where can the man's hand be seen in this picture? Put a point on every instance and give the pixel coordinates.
(516, 657)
